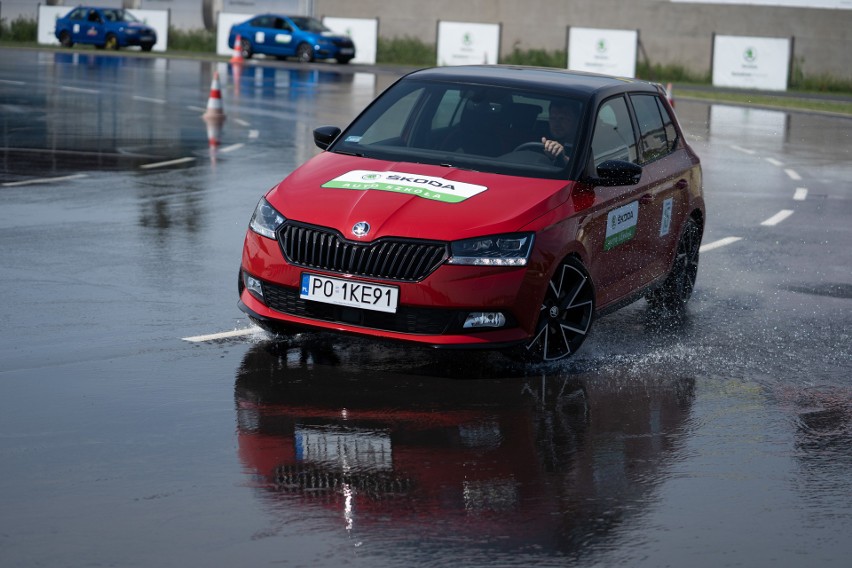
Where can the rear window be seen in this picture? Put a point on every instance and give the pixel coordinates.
(657, 132)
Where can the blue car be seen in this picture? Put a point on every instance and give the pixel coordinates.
(291, 36)
(109, 28)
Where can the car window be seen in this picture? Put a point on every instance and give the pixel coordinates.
(78, 14)
(652, 132)
(264, 22)
(668, 125)
(447, 114)
(613, 138)
(309, 25)
(391, 123)
(484, 128)
(94, 17)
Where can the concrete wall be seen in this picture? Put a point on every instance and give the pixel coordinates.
(671, 33)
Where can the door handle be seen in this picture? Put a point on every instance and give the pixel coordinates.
(646, 199)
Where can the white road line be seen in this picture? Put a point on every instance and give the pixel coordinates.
(242, 122)
(10, 82)
(744, 150)
(232, 147)
(801, 194)
(719, 244)
(792, 174)
(43, 180)
(222, 335)
(149, 100)
(167, 163)
(254, 134)
(777, 218)
(775, 162)
(197, 109)
(80, 90)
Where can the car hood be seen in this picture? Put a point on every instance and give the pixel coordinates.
(412, 200)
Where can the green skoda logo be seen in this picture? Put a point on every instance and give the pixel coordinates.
(601, 46)
(467, 40)
(750, 54)
(368, 177)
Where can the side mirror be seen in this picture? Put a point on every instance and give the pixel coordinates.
(618, 172)
(325, 135)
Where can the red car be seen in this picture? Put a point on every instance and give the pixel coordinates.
(482, 207)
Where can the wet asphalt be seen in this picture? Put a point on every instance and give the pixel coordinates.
(128, 439)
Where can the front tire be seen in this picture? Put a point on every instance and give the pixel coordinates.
(677, 288)
(566, 314)
(305, 53)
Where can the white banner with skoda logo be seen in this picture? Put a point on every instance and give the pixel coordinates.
(597, 50)
(426, 187)
(465, 43)
(751, 62)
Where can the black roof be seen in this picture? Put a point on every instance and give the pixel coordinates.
(536, 78)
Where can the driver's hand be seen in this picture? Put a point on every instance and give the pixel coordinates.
(554, 150)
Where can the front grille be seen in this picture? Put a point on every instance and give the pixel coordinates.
(405, 260)
(313, 480)
(430, 321)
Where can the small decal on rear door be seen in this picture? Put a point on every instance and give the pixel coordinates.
(666, 221)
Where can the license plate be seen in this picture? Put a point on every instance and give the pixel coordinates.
(351, 293)
(147, 38)
(347, 51)
(350, 448)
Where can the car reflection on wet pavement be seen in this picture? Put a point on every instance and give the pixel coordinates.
(556, 462)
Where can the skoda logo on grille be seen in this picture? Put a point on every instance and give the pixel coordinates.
(361, 229)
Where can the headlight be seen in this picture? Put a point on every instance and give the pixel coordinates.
(266, 219)
(130, 31)
(497, 250)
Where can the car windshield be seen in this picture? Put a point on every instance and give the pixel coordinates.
(309, 25)
(469, 126)
(119, 16)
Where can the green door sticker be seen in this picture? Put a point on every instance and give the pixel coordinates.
(621, 225)
(426, 187)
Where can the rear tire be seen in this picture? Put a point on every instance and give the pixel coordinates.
(65, 39)
(111, 43)
(677, 288)
(565, 316)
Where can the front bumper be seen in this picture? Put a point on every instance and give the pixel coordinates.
(431, 311)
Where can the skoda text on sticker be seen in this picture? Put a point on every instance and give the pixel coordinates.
(454, 212)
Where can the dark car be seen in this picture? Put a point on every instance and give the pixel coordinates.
(302, 37)
(109, 28)
(482, 206)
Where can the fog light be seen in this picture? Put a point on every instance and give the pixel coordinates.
(253, 285)
(484, 319)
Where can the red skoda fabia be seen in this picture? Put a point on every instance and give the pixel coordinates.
(483, 206)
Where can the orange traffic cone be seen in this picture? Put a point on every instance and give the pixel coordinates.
(237, 58)
(214, 102)
(214, 135)
(214, 130)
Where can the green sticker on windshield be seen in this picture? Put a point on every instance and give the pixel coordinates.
(426, 187)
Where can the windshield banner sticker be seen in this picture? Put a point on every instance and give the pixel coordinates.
(621, 225)
(427, 187)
